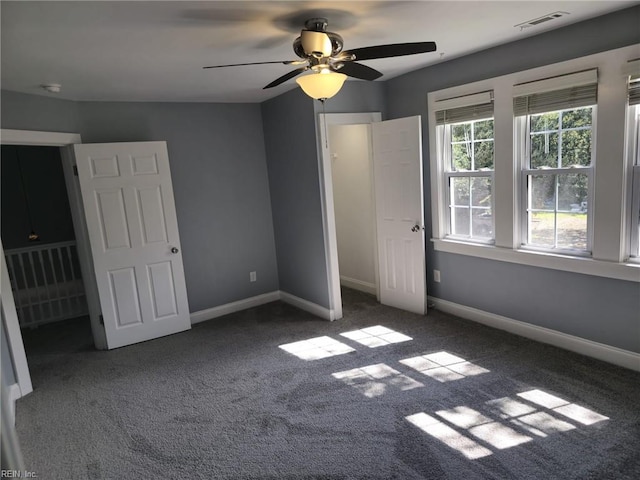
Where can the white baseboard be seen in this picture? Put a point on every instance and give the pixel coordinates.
(365, 287)
(226, 309)
(607, 353)
(308, 306)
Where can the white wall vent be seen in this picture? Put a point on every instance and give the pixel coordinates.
(539, 20)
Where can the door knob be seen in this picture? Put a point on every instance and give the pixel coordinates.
(416, 228)
(174, 250)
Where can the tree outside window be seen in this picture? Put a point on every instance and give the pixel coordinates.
(558, 175)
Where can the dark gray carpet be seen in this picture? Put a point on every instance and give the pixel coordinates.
(223, 401)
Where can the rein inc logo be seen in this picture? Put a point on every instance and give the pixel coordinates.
(17, 474)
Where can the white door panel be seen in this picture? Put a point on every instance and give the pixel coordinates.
(397, 154)
(133, 230)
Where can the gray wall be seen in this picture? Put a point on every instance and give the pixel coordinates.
(37, 112)
(595, 308)
(356, 96)
(292, 159)
(219, 174)
(246, 183)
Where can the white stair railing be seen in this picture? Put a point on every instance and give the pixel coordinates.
(46, 282)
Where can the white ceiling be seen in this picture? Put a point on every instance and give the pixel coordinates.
(155, 51)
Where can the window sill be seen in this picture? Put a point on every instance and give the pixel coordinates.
(587, 266)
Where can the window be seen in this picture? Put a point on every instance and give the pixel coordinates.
(557, 165)
(634, 150)
(465, 125)
(541, 168)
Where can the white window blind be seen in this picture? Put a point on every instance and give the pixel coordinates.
(464, 109)
(634, 90)
(557, 93)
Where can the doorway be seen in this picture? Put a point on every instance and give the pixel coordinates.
(11, 327)
(348, 135)
(38, 237)
(352, 177)
(396, 149)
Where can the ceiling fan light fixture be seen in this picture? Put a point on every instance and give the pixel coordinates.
(322, 85)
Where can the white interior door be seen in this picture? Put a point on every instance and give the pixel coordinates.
(397, 159)
(133, 231)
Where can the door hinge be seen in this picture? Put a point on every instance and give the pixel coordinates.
(101, 320)
(75, 170)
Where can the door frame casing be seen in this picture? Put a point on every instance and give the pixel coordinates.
(12, 326)
(327, 202)
(57, 139)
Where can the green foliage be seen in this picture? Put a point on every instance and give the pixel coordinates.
(545, 137)
(460, 191)
(483, 154)
(483, 129)
(570, 188)
(471, 150)
(574, 151)
(461, 156)
(472, 145)
(544, 150)
(461, 132)
(576, 148)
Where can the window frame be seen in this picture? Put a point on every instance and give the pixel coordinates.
(449, 173)
(611, 177)
(634, 208)
(526, 172)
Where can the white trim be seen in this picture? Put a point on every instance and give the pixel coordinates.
(588, 266)
(32, 137)
(14, 394)
(14, 336)
(587, 77)
(226, 309)
(85, 257)
(464, 101)
(12, 329)
(356, 284)
(635, 214)
(308, 306)
(600, 351)
(244, 304)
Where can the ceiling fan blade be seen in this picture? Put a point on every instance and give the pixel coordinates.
(286, 77)
(358, 70)
(284, 62)
(392, 50)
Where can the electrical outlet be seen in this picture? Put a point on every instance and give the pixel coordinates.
(252, 276)
(436, 276)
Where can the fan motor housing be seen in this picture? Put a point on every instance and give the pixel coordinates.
(317, 44)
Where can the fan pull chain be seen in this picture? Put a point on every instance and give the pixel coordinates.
(326, 131)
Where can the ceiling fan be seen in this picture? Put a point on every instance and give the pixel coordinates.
(321, 52)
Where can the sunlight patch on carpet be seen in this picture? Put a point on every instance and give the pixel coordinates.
(374, 380)
(316, 348)
(376, 336)
(570, 410)
(443, 366)
(449, 436)
(504, 423)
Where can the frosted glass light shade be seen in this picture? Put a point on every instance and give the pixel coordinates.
(322, 85)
